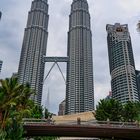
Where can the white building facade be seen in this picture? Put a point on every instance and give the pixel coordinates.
(121, 62)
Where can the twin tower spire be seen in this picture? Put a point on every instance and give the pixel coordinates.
(79, 78)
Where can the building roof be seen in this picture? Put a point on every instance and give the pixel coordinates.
(85, 116)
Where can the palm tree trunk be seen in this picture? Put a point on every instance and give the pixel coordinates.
(1, 116)
(4, 120)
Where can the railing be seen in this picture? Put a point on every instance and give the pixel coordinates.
(37, 121)
(95, 123)
(116, 124)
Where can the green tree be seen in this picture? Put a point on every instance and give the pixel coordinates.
(137, 104)
(37, 111)
(45, 138)
(108, 109)
(14, 106)
(101, 111)
(47, 113)
(130, 111)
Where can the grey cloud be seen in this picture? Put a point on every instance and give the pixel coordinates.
(102, 12)
(56, 86)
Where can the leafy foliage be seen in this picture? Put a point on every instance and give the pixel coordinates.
(45, 138)
(129, 112)
(37, 112)
(108, 109)
(15, 104)
(115, 111)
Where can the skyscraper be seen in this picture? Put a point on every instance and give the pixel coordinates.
(121, 62)
(138, 82)
(31, 66)
(0, 65)
(0, 60)
(79, 88)
(0, 14)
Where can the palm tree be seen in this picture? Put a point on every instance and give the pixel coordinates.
(8, 93)
(15, 104)
(14, 98)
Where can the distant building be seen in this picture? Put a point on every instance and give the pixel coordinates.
(15, 75)
(109, 96)
(0, 65)
(138, 82)
(0, 14)
(62, 108)
(121, 62)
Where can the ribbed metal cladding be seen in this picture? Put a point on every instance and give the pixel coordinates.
(79, 88)
(31, 66)
(121, 62)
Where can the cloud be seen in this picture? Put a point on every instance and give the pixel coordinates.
(12, 27)
(56, 86)
(102, 12)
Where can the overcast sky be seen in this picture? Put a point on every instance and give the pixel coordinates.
(13, 22)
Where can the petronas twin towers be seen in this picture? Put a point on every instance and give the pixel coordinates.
(79, 90)
(79, 87)
(31, 66)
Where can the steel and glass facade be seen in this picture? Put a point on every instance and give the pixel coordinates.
(0, 65)
(0, 60)
(138, 82)
(121, 62)
(79, 88)
(0, 14)
(31, 66)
